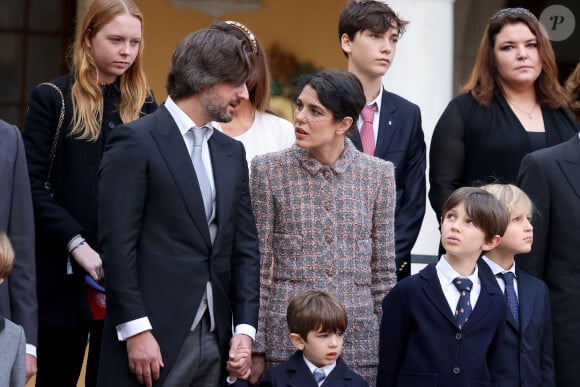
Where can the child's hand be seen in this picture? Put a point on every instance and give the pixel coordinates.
(239, 358)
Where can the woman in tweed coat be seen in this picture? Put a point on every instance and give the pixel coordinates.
(325, 217)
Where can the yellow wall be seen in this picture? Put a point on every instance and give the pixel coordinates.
(306, 28)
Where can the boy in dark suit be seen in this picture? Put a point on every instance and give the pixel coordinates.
(444, 326)
(528, 345)
(389, 126)
(317, 322)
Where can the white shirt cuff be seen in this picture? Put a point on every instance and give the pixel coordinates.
(245, 329)
(31, 349)
(132, 328)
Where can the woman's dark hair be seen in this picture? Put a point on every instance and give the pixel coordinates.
(483, 82)
(339, 91)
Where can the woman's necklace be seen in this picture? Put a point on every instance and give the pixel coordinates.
(529, 114)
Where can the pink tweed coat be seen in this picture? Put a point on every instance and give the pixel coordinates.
(327, 228)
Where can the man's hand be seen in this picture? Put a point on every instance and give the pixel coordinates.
(31, 367)
(240, 357)
(144, 357)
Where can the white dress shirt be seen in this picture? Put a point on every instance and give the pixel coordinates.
(185, 123)
(497, 269)
(446, 274)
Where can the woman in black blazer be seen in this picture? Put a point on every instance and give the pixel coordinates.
(511, 105)
(105, 88)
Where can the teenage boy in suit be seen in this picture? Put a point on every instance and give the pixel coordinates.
(528, 344)
(444, 326)
(368, 32)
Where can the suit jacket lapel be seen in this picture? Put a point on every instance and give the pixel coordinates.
(221, 159)
(526, 297)
(302, 377)
(337, 377)
(173, 150)
(435, 294)
(486, 272)
(570, 164)
(3, 156)
(485, 302)
(387, 125)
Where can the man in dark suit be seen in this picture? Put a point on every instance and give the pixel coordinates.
(18, 293)
(368, 32)
(177, 233)
(551, 178)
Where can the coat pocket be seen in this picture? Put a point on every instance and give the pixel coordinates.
(288, 264)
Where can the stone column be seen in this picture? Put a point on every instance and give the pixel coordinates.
(422, 72)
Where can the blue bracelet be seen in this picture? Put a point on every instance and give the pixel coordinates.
(77, 245)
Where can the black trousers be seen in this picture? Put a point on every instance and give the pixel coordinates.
(60, 354)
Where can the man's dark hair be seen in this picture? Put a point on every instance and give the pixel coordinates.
(205, 58)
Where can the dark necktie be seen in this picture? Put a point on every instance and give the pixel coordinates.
(510, 295)
(202, 179)
(319, 375)
(463, 309)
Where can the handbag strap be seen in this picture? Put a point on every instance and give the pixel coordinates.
(56, 137)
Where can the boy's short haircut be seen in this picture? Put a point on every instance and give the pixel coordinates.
(487, 213)
(315, 311)
(6, 256)
(371, 15)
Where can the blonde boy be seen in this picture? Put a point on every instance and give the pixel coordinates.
(528, 344)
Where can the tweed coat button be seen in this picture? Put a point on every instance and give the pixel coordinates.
(328, 237)
(328, 205)
(456, 370)
(331, 270)
(458, 336)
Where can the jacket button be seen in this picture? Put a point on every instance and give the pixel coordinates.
(458, 336)
(456, 370)
(328, 236)
(111, 125)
